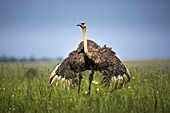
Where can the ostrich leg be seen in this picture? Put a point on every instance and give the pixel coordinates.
(80, 78)
(90, 80)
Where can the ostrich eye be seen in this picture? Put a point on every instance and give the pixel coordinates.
(82, 23)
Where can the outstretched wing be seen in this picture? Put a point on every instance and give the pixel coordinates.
(110, 65)
(69, 68)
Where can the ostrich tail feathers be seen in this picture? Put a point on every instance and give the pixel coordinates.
(127, 74)
(52, 79)
(53, 75)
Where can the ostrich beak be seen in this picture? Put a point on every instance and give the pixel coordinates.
(78, 25)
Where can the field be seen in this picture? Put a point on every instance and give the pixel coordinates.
(24, 88)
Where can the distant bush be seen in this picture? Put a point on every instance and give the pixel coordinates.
(4, 58)
(7, 59)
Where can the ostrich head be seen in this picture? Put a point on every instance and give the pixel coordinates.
(82, 25)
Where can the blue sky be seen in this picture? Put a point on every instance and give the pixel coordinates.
(134, 29)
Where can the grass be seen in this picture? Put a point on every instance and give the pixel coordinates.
(24, 88)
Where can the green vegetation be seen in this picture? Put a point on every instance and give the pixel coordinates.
(24, 88)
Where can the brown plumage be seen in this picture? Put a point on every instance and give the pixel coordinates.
(90, 56)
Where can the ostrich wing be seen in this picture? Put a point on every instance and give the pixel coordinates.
(69, 68)
(109, 64)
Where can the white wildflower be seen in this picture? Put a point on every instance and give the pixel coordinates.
(13, 96)
(97, 83)
(86, 92)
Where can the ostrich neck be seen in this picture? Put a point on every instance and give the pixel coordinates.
(85, 42)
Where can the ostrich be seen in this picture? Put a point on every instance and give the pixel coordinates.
(90, 56)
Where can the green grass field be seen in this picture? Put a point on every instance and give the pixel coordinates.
(24, 88)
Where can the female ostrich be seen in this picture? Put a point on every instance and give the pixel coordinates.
(89, 56)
